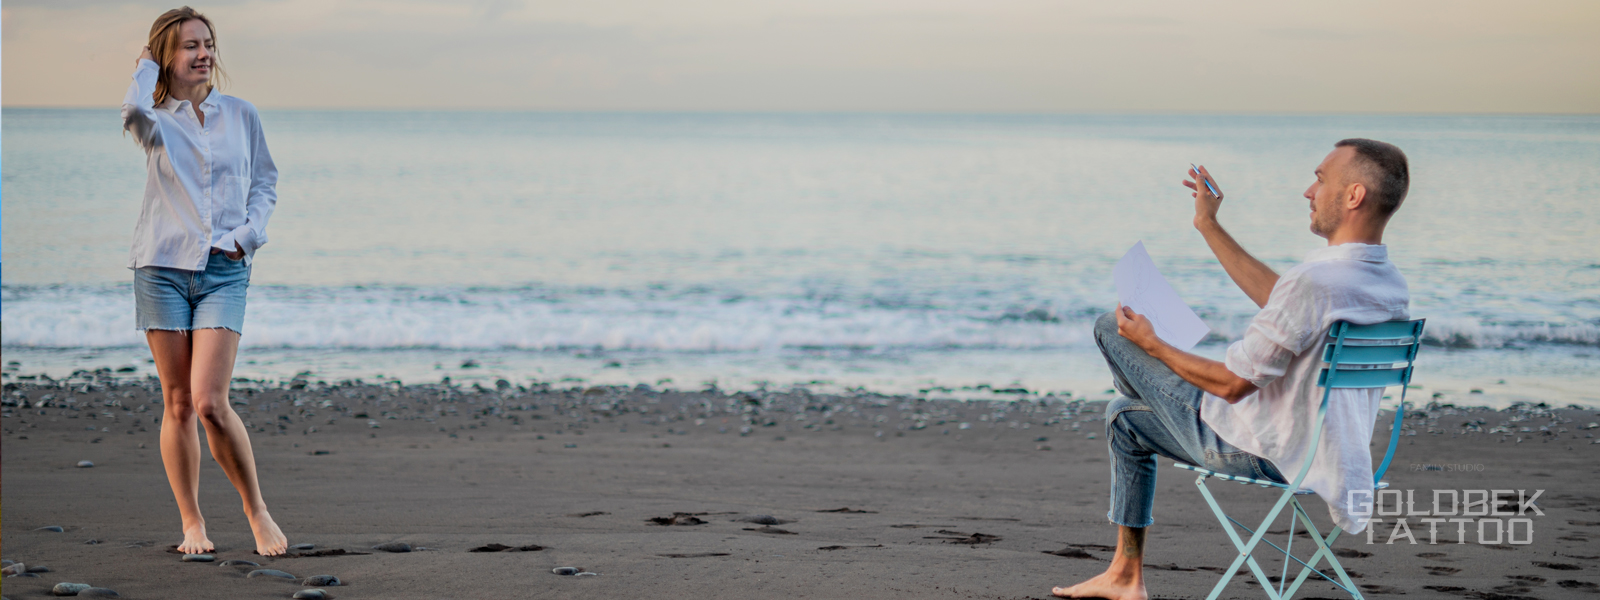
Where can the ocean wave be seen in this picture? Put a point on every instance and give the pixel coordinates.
(692, 320)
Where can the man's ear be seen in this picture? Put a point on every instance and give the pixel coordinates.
(1355, 196)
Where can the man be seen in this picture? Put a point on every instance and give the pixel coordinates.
(1250, 414)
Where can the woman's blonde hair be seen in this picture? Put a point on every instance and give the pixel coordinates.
(164, 46)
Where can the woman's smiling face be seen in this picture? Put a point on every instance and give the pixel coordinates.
(193, 59)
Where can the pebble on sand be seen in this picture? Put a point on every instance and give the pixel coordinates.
(69, 589)
(99, 592)
(268, 573)
(238, 563)
(566, 570)
(393, 547)
(321, 580)
(311, 594)
(51, 528)
(198, 558)
(84, 464)
(38, 569)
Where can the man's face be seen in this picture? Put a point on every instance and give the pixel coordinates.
(1327, 194)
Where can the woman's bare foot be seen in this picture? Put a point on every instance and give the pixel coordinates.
(269, 539)
(195, 540)
(1113, 586)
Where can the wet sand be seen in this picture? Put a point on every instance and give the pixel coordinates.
(586, 474)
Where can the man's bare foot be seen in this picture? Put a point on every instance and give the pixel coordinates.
(195, 540)
(1106, 585)
(269, 539)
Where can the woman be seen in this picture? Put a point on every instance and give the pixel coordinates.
(209, 192)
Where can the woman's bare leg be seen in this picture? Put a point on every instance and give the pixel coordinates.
(180, 442)
(214, 352)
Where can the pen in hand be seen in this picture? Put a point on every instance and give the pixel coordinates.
(1206, 180)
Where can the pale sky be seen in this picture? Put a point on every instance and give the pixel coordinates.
(1410, 56)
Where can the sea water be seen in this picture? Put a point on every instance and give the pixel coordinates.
(887, 252)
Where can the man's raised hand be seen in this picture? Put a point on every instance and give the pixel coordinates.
(1205, 203)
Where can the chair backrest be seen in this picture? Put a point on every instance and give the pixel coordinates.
(1370, 356)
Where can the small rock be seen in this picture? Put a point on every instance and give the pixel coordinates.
(393, 547)
(311, 594)
(198, 558)
(69, 589)
(99, 592)
(268, 573)
(84, 464)
(38, 569)
(91, 542)
(238, 563)
(303, 547)
(566, 570)
(51, 528)
(762, 520)
(321, 580)
(14, 569)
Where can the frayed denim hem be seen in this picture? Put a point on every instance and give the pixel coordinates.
(186, 330)
(1113, 521)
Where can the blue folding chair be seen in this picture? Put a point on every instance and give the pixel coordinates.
(1359, 356)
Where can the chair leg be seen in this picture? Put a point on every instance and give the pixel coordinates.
(1323, 551)
(1311, 563)
(1245, 549)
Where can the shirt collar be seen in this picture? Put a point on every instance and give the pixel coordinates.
(1350, 251)
(173, 104)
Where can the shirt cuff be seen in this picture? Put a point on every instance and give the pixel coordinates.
(1238, 362)
(243, 236)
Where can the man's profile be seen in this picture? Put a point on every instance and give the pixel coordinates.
(1249, 413)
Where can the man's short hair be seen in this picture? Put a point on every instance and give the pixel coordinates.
(1387, 174)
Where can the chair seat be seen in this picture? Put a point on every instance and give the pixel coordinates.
(1253, 481)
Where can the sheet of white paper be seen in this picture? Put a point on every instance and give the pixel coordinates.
(1141, 287)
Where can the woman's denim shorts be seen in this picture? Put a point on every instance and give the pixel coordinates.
(178, 300)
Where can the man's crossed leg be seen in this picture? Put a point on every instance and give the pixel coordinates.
(1157, 415)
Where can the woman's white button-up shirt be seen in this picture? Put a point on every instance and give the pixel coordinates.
(209, 186)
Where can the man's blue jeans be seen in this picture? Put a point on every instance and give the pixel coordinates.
(1157, 415)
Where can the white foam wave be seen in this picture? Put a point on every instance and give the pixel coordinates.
(699, 321)
(402, 318)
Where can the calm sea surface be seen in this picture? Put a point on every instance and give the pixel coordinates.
(885, 251)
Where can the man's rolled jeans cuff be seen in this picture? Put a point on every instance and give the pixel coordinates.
(1113, 521)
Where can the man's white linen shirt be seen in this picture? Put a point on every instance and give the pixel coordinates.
(209, 186)
(1281, 354)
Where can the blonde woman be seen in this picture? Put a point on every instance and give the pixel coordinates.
(210, 189)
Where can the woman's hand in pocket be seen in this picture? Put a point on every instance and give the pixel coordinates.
(236, 254)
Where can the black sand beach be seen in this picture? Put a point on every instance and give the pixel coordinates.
(711, 494)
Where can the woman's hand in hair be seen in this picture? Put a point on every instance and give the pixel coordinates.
(145, 55)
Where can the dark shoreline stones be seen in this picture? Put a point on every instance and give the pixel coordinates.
(268, 573)
(203, 558)
(321, 581)
(311, 594)
(393, 547)
(69, 589)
